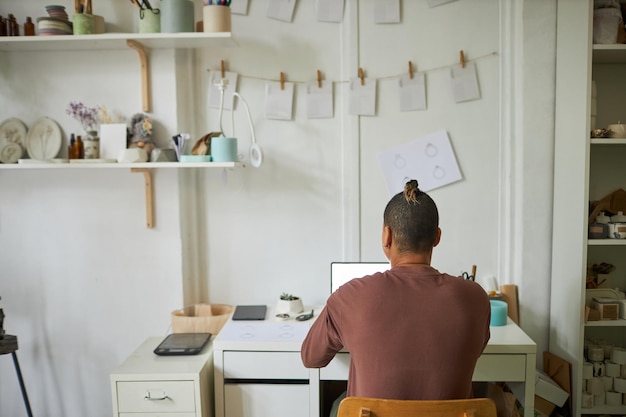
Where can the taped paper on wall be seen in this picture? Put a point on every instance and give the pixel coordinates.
(429, 159)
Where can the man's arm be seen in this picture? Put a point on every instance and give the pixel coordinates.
(322, 342)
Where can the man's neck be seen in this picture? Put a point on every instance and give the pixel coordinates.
(410, 259)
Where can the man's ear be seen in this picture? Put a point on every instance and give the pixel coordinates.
(438, 237)
(387, 237)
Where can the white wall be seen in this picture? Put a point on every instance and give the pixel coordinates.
(85, 282)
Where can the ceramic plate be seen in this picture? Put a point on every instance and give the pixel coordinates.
(10, 152)
(44, 139)
(14, 131)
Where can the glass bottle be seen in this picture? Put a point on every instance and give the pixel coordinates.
(71, 149)
(29, 27)
(79, 148)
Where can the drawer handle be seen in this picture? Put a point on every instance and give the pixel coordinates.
(149, 397)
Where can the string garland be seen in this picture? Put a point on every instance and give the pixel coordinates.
(478, 58)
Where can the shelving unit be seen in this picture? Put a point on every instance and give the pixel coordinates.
(141, 42)
(115, 41)
(586, 169)
(114, 165)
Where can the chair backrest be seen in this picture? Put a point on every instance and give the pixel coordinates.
(373, 407)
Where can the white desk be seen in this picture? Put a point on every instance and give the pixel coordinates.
(258, 370)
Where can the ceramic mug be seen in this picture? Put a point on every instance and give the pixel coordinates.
(224, 149)
(618, 130)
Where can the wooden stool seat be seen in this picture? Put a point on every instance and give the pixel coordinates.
(8, 344)
(373, 407)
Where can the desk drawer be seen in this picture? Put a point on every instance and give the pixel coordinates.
(264, 365)
(500, 367)
(167, 396)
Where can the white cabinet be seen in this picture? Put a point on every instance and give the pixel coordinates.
(147, 385)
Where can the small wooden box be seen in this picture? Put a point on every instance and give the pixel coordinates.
(608, 308)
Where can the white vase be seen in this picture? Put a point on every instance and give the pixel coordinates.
(289, 306)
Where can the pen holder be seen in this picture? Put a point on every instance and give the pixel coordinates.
(83, 24)
(216, 18)
(499, 313)
(149, 21)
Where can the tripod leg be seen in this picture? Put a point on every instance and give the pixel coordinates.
(22, 387)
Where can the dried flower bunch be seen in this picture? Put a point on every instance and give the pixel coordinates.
(108, 118)
(88, 117)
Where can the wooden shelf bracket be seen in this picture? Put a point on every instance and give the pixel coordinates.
(145, 73)
(147, 174)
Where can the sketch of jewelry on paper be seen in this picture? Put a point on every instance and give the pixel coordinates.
(431, 150)
(429, 159)
(439, 173)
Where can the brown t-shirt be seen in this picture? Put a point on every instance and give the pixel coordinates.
(412, 333)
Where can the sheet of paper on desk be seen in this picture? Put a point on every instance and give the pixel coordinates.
(264, 331)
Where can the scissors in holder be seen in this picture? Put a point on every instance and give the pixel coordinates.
(471, 276)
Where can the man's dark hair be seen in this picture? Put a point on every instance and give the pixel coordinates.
(413, 219)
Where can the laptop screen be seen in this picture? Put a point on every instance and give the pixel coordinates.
(342, 272)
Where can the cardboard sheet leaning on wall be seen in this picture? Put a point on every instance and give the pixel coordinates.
(610, 204)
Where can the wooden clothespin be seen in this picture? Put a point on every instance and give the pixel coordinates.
(361, 76)
(282, 80)
(223, 71)
(410, 70)
(462, 58)
(319, 79)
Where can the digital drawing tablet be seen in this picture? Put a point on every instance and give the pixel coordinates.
(254, 312)
(183, 344)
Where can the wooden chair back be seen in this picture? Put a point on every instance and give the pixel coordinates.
(373, 407)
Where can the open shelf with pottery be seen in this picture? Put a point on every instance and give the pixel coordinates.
(141, 43)
(86, 164)
(115, 41)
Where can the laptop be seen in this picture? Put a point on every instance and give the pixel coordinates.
(342, 272)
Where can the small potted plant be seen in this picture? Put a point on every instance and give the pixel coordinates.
(289, 304)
